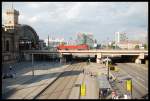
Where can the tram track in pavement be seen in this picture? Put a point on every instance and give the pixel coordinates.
(62, 86)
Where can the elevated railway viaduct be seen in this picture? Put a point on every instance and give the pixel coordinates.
(64, 54)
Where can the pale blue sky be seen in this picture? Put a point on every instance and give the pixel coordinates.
(66, 19)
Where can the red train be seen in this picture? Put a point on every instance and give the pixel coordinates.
(73, 47)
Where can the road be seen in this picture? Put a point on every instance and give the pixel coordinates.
(62, 87)
(139, 75)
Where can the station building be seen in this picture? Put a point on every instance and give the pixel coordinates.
(16, 37)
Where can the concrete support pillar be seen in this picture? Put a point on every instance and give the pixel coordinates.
(62, 60)
(32, 59)
(27, 57)
(138, 61)
(146, 62)
(98, 59)
(141, 56)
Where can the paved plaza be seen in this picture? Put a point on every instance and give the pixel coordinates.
(25, 83)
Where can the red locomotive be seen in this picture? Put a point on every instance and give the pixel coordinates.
(73, 47)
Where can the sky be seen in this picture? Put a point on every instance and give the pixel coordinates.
(66, 19)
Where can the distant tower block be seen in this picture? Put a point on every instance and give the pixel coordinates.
(11, 21)
(120, 37)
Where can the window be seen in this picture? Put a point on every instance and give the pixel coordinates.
(7, 45)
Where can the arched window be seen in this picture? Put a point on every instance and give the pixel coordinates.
(7, 45)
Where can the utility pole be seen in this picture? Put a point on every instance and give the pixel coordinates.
(48, 42)
(108, 69)
(115, 41)
(12, 6)
(32, 66)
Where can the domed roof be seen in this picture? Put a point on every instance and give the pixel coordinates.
(27, 32)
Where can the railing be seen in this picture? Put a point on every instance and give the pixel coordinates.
(90, 51)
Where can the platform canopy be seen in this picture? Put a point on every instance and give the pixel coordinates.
(103, 82)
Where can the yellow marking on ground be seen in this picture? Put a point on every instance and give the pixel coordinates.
(83, 89)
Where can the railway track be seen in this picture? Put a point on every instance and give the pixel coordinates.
(61, 88)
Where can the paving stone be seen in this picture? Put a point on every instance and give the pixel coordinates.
(28, 88)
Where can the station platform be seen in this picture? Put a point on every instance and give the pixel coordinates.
(27, 86)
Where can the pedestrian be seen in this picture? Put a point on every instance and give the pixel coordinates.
(83, 71)
(10, 68)
(102, 93)
(89, 60)
(12, 71)
(113, 94)
(105, 92)
(108, 90)
(125, 96)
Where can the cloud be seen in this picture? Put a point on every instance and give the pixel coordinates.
(33, 19)
(65, 19)
(74, 11)
(33, 4)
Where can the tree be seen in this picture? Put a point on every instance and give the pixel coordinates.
(103, 46)
(112, 45)
(145, 46)
(137, 47)
(98, 46)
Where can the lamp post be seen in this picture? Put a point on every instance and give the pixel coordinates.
(115, 41)
(107, 69)
(32, 66)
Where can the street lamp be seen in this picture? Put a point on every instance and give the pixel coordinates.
(32, 66)
(128, 44)
(115, 41)
(107, 69)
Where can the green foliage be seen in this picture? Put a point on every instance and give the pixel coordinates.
(145, 46)
(137, 47)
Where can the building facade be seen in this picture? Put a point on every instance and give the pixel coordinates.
(86, 38)
(16, 37)
(129, 44)
(54, 42)
(42, 45)
(120, 37)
